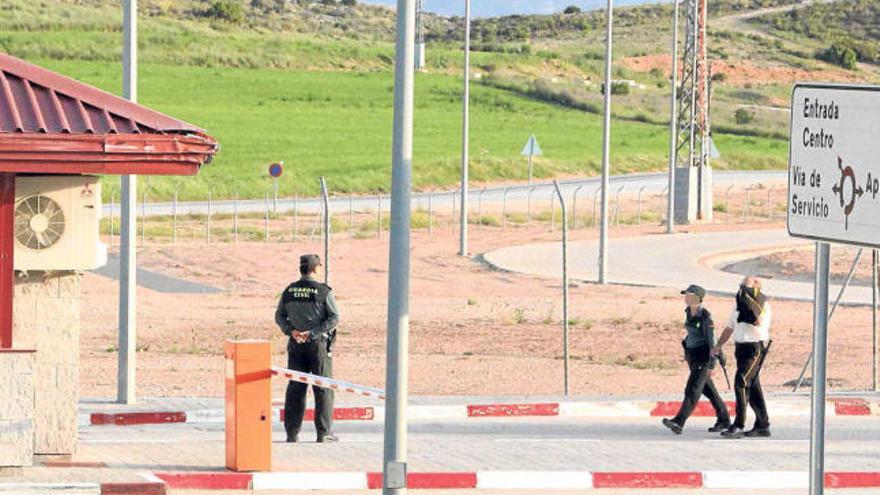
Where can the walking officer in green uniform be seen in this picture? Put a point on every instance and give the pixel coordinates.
(307, 314)
(698, 345)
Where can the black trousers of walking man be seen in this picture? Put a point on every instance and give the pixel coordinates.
(749, 361)
(700, 383)
(311, 357)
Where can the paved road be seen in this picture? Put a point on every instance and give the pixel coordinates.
(551, 444)
(652, 184)
(668, 261)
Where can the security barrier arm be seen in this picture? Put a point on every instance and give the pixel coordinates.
(328, 383)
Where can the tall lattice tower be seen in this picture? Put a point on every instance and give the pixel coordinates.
(694, 196)
(420, 36)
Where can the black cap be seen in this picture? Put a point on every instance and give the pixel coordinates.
(695, 289)
(308, 262)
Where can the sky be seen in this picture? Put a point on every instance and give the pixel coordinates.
(491, 8)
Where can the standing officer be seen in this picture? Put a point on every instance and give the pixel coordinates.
(750, 326)
(698, 345)
(307, 314)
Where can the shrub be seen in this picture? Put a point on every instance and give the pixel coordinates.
(719, 77)
(840, 54)
(572, 9)
(226, 10)
(617, 88)
(743, 116)
(349, 3)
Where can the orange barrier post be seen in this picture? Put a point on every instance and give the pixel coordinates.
(248, 405)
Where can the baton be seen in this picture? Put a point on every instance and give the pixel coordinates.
(723, 362)
(766, 350)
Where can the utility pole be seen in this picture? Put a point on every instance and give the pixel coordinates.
(465, 144)
(820, 350)
(673, 125)
(127, 365)
(606, 149)
(397, 354)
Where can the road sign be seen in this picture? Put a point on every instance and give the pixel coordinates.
(713, 150)
(532, 148)
(832, 197)
(276, 169)
(833, 173)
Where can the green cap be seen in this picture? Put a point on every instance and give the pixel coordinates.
(309, 261)
(695, 289)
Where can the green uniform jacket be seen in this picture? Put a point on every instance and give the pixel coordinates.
(308, 305)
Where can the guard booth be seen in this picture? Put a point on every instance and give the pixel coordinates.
(56, 136)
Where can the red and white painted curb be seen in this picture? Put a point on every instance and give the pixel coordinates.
(531, 480)
(159, 483)
(595, 409)
(157, 487)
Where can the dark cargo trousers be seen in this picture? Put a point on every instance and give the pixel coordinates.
(312, 357)
(749, 361)
(700, 383)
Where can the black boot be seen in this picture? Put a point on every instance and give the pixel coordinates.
(733, 432)
(328, 438)
(757, 432)
(720, 426)
(673, 425)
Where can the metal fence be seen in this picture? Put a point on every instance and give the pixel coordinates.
(295, 219)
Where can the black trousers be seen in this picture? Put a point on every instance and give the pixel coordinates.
(700, 383)
(749, 361)
(311, 357)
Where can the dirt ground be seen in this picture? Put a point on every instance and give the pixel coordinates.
(797, 264)
(741, 72)
(474, 330)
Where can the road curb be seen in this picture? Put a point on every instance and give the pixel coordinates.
(138, 488)
(591, 409)
(159, 483)
(517, 480)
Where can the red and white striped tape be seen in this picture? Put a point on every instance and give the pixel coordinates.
(328, 383)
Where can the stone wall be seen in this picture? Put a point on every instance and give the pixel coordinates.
(16, 408)
(46, 316)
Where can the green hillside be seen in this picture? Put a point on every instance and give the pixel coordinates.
(311, 84)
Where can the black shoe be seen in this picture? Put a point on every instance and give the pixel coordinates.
(733, 432)
(328, 438)
(719, 426)
(672, 425)
(292, 439)
(757, 432)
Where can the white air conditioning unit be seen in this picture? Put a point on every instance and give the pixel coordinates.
(56, 223)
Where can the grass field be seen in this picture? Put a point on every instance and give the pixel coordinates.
(310, 83)
(338, 124)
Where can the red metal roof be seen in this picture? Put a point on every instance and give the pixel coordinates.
(50, 123)
(34, 99)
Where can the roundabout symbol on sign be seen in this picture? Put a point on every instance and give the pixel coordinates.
(857, 192)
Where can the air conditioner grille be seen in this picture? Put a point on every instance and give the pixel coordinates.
(39, 222)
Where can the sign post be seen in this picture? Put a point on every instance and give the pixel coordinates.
(531, 150)
(275, 171)
(833, 197)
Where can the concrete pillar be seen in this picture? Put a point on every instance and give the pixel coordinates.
(16, 407)
(686, 189)
(47, 318)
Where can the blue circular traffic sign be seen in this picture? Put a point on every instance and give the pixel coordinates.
(276, 169)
